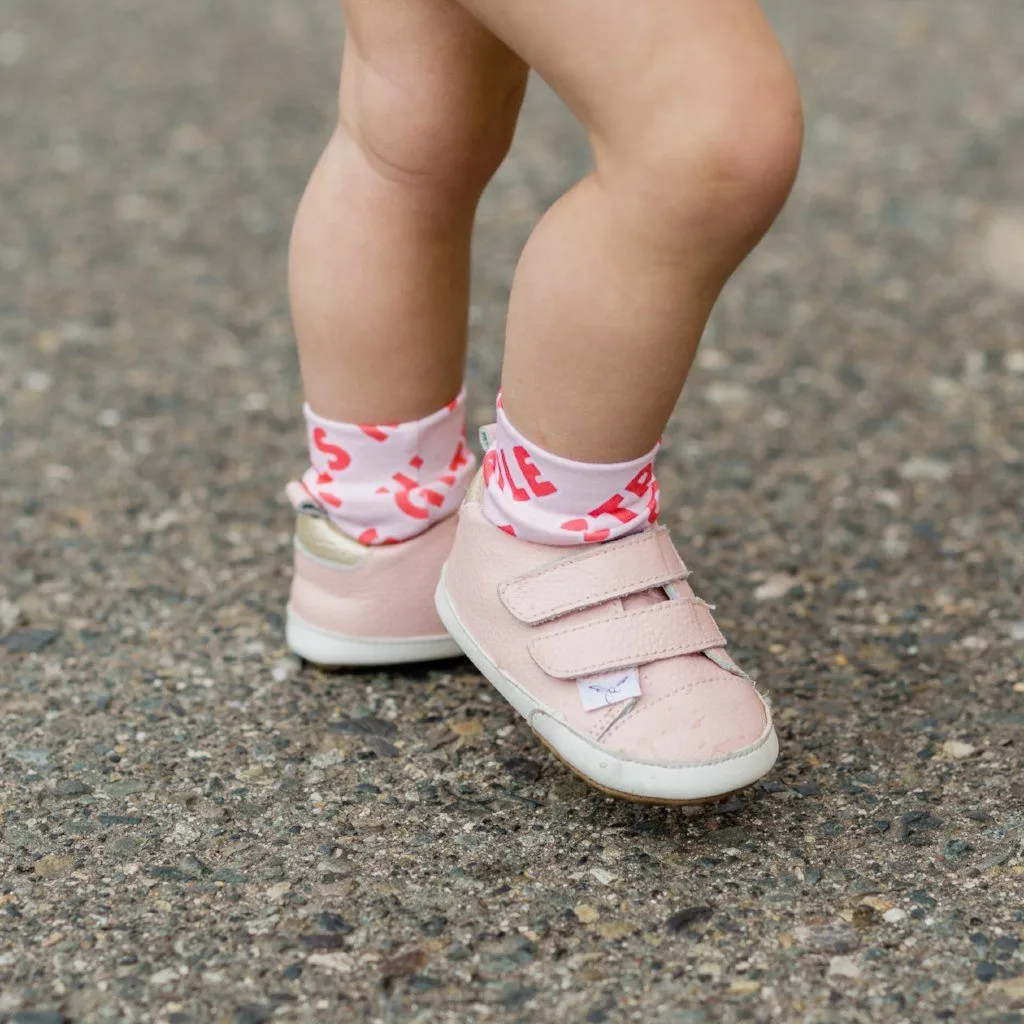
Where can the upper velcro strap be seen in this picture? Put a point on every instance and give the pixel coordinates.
(599, 574)
(655, 633)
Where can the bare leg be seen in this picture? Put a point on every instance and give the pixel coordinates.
(379, 263)
(695, 123)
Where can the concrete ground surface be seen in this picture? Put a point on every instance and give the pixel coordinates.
(196, 827)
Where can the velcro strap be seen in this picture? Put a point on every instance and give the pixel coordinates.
(599, 574)
(639, 637)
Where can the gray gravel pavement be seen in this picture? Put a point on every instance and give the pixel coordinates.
(194, 827)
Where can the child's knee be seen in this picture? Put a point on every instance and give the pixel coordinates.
(443, 139)
(728, 153)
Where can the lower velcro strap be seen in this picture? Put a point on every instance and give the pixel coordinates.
(661, 631)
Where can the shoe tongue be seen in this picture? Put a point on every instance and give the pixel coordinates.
(642, 600)
(636, 602)
(657, 595)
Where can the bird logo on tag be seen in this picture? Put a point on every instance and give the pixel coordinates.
(609, 688)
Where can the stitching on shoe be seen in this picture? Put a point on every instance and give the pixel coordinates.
(645, 583)
(621, 717)
(595, 552)
(742, 752)
(626, 759)
(683, 688)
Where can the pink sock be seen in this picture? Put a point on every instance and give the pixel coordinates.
(544, 498)
(386, 482)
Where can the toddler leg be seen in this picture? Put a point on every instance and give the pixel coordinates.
(604, 649)
(379, 267)
(379, 281)
(695, 124)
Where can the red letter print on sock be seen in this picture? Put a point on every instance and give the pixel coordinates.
(325, 496)
(589, 536)
(518, 494)
(403, 499)
(376, 431)
(370, 537)
(653, 504)
(339, 458)
(613, 507)
(460, 458)
(639, 484)
(531, 473)
(491, 467)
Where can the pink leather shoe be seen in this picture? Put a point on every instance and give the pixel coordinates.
(610, 658)
(356, 605)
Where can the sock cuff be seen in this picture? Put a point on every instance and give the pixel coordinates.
(387, 482)
(506, 432)
(373, 430)
(548, 499)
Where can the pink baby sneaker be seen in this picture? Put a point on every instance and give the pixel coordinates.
(357, 605)
(610, 658)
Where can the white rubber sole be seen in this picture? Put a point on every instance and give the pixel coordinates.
(645, 781)
(333, 650)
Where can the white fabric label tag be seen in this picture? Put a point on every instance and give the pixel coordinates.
(609, 688)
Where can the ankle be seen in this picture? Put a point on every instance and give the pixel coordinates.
(540, 497)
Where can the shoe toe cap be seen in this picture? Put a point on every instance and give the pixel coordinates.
(701, 721)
